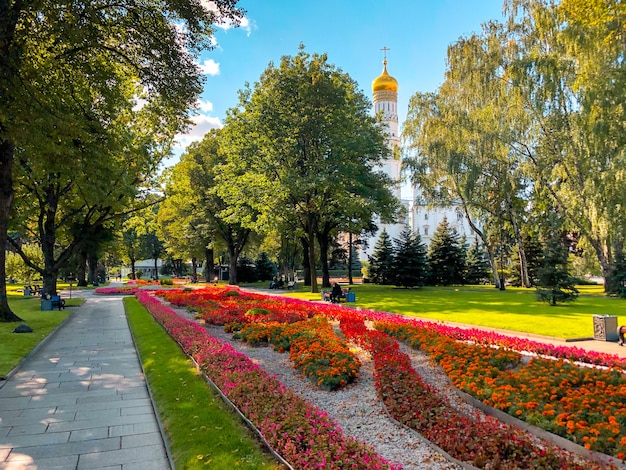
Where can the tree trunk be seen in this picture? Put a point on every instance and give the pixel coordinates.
(232, 265)
(605, 263)
(494, 268)
(523, 263)
(210, 264)
(312, 260)
(483, 238)
(82, 270)
(6, 203)
(350, 281)
(156, 269)
(523, 266)
(305, 261)
(323, 242)
(48, 239)
(93, 269)
(194, 268)
(133, 274)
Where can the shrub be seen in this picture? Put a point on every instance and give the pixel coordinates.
(257, 311)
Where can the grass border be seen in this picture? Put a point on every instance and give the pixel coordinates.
(179, 416)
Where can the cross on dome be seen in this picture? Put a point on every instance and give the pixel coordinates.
(385, 82)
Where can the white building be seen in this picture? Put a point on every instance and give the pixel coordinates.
(422, 217)
(145, 267)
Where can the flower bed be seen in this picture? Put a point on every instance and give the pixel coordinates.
(313, 347)
(299, 432)
(481, 442)
(142, 282)
(583, 404)
(478, 361)
(223, 305)
(116, 290)
(490, 338)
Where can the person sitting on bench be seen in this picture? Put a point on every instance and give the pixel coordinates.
(621, 330)
(336, 293)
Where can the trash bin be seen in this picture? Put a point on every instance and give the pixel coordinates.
(27, 292)
(46, 304)
(351, 297)
(605, 327)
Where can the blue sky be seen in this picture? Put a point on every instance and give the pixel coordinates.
(351, 32)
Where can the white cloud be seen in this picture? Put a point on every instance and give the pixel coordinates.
(204, 106)
(246, 25)
(208, 5)
(227, 24)
(201, 124)
(210, 67)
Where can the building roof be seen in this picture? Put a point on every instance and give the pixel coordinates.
(385, 82)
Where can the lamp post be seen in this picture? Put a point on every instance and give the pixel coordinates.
(501, 283)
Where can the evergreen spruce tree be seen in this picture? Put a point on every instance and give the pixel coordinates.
(409, 260)
(246, 271)
(265, 269)
(555, 283)
(446, 258)
(381, 261)
(478, 268)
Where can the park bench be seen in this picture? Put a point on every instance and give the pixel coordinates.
(50, 302)
(291, 285)
(32, 290)
(346, 295)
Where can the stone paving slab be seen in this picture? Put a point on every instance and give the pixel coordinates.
(54, 463)
(81, 401)
(143, 457)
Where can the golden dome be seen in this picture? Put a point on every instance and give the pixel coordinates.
(385, 82)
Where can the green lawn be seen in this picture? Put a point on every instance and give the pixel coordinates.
(512, 309)
(202, 431)
(13, 346)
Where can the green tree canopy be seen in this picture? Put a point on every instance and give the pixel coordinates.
(529, 123)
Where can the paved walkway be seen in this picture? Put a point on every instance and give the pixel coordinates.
(81, 401)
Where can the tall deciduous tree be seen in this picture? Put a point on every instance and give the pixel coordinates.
(203, 214)
(571, 71)
(302, 147)
(540, 97)
(90, 58)
(460, 139)
(180, 222)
